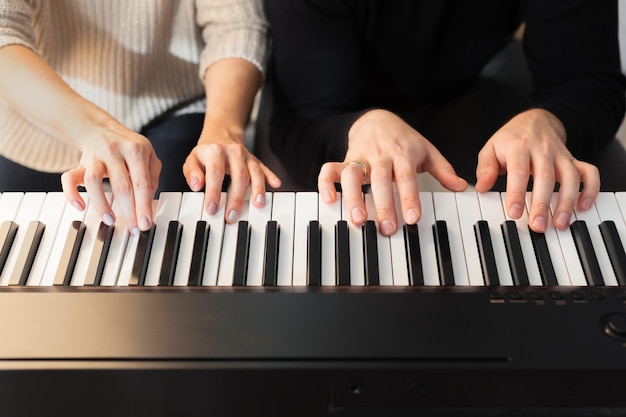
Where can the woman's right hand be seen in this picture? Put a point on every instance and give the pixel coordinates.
(128, 160)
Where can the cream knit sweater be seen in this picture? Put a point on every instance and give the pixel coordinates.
(137, 59)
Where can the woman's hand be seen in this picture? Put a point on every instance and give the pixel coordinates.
(129, 161)
(221, 151)
(387, 149)
(533, 143)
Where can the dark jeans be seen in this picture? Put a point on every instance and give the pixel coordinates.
(172, 138)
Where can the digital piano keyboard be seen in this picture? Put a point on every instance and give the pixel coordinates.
(293, 311)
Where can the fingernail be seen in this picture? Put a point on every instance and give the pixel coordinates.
(539, 223)
(516, 211)
(77, 204)
(326, 196)
(144, 224)
(212, 208)
(233, 215)
(194, 182)
(386, 227)
(411, 216)
(108, 219)
(357, 215)
(260, 198)
(562, 220)
(587, 203)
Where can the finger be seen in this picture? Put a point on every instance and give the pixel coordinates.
(408, 191)
(487, 169)
(141, 180)
(439, 167)
(194, 172)
(122, 189)
(330, 173)
(382, 192)
(272, 179)
(155, 171)
(93, 183)
(70, 181)
(518, 174)
(590, 177)
(352, 194)
(543, 187)
(240, 179)
(257, 183)
(569, 183)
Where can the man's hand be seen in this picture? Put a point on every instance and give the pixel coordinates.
(533, 143)
(387, 149)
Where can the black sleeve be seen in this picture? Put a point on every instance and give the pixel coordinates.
(316, 72)
(573, 54)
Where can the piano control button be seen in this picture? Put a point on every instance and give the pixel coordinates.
(556, 295)
(536, 295)
(615, 326)
(621, 295)
(495, 295)
(578, 295)
(516, 295)
(598, 295)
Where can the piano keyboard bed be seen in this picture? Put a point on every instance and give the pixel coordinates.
(462, 239)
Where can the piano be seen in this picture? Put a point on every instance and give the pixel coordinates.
(294, 312)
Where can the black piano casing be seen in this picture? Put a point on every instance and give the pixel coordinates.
(311, 352)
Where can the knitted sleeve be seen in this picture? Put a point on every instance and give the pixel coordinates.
(16, 23)
(232, 29)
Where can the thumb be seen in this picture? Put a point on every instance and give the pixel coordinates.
(487, 170)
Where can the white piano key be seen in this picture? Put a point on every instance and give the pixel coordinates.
(9, 205)
(168, 208)
(191, 207)
(385, 270)
(92, 223)
(493, 212)
(229, 247)
(609, 209)
(398, 248)
(592, 219)
(50, 215)
(427, 244)
(568, 250)
(357, 260)
(283, 211)
(469, 212)
(216, 224)
(306, 210)
(70, 214)
(554, 247)
(532, 268)
(445, 209)
(258, 218)
(117, 250)
(328, 216)
(621, 202)
(28, 211)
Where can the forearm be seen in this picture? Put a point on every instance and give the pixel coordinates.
(231, 86)
(35, 91)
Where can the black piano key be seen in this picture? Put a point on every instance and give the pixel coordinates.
(544, 261)
(28, 251)
(514, 253)
(71, 249)
(99, 254)
(314, 254)
(485, 251)
(142, 257)
(198, 256)
(444, 256)
(241, 253)
(8, 230)
(342, 253)
(586, 253)
(370, 253)
(270, 265)
(615, 248)
(413, 251)
(170, 253)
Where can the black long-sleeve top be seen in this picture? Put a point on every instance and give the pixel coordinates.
(334, 59)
